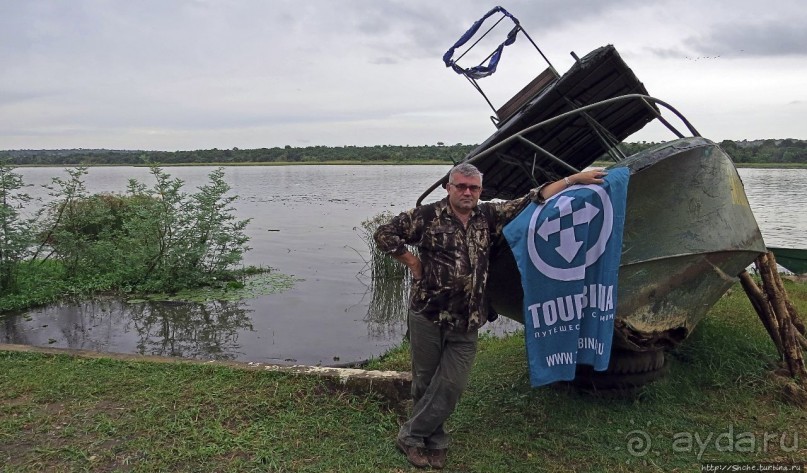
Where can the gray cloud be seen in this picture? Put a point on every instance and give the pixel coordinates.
(668, 53)
(111, 69)
(769, 38)
(415, 30)
(384, 60)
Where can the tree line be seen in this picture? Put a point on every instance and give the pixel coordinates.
(775, 151)
(771, 151)
(286, 154)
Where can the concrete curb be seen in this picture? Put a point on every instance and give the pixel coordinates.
(394, 386)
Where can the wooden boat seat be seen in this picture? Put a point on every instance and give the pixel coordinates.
(526, 94)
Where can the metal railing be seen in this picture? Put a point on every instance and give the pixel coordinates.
(610, 144)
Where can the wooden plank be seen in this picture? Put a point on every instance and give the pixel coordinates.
(524, 95)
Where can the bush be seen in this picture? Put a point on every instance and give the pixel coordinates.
(147, 240)
(15, 231)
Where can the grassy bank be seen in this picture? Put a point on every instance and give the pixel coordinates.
(718, 403)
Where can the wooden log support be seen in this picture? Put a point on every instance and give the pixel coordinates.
(802, 341)
(794, 316)
(778, 314)
(763, 309)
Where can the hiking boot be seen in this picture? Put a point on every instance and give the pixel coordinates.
(437, 457)
(414, 455)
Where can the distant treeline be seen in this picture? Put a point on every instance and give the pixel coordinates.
(745, 151)
(757, 151)
(287, 154)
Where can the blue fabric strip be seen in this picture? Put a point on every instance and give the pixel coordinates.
(482, 70)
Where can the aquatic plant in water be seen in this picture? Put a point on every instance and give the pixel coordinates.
(149, 239)
(156, 239)
(389, 280)
(250, 288)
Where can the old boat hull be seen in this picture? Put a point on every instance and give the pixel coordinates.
(792, 259)
(689, 232)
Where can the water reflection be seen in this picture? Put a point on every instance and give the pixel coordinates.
(190, 330)
(206, 331)
(387, 312)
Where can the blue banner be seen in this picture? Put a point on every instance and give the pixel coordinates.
(568, 251)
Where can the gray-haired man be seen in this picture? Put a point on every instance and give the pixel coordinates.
(447, 304)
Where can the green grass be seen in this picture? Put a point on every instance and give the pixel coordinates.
(719, 402)
(63, 414)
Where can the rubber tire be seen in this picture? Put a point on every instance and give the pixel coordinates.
(626, 370)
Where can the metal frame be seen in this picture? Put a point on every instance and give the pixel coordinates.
(599, 130)
(517, 27)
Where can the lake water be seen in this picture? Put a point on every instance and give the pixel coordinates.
(304, 223)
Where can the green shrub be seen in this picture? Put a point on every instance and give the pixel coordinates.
(147, 240)
(15, 230)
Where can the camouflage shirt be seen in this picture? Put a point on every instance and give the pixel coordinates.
(454, 258)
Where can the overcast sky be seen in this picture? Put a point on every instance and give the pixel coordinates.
(199, 74)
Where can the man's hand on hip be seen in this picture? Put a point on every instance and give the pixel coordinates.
(413, 263)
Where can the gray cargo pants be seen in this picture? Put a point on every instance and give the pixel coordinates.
(441, 364)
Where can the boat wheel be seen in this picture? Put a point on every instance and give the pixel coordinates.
(626, 370)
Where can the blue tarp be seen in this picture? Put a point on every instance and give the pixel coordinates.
(568, 251)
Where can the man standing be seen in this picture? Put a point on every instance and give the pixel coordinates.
(447, 302)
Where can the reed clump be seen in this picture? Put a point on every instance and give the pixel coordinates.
(389, 280)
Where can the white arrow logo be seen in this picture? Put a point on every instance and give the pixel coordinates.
(569, 247)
